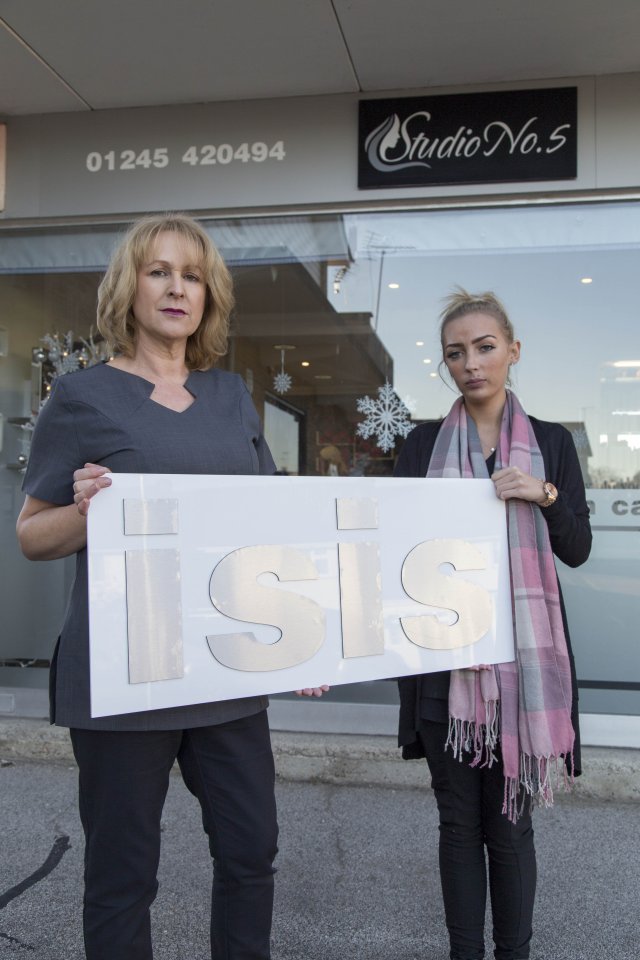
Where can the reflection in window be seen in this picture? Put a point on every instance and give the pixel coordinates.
(355, 300)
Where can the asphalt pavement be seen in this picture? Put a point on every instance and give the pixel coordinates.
(357, 873)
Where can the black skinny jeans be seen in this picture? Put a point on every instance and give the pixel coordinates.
(124, 777)
(470, 807)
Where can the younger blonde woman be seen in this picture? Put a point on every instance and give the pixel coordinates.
(492, 736)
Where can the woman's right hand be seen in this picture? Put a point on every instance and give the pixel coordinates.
(88, 481)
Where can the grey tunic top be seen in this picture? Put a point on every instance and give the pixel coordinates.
(104, 415)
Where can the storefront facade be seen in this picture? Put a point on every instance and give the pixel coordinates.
(338, 292)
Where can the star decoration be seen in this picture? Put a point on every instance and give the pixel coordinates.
(282, 382)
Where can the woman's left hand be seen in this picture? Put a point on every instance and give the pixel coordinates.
(512, 484)
(313, 691)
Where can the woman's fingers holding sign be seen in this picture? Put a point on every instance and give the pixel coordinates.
(511, 483)
(88, 481)
(313, 691)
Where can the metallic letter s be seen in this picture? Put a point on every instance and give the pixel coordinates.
(235, 593)
(422, 582)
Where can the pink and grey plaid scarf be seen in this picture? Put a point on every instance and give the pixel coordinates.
(525, 705)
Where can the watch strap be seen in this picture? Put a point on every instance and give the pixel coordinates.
(550, 492)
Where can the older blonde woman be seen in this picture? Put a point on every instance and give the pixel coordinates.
(160, 406)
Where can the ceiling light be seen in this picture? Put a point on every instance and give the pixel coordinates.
(627, 363)
(586, 280)
(433, 374)
(304, 363)
(394, 286)
(419, 343)
(427, 360)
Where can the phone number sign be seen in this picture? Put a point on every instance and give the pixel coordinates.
(203, 155)
(207, 588)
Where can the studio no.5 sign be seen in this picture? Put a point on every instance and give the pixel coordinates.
(206, 588)
(513, 135)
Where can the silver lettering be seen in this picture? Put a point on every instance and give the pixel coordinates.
(234, 591)
(423, 582)
(154, 615)
(361, 600)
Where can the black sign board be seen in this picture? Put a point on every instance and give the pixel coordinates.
(468, 138)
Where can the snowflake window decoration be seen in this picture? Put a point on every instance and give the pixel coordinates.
(386, 418)
(282, 381)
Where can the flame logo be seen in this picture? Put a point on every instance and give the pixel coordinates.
(385, 137)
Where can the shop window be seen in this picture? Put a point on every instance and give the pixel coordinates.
(331, 310)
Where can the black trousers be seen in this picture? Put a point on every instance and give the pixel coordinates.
(470, 808)
(124, 777)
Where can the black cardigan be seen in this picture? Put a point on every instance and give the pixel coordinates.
(570, 536)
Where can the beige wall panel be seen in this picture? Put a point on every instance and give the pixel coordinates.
(618, 131)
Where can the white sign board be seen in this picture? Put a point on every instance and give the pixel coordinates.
(207, 588)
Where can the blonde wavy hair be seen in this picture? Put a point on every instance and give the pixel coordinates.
(117, 290)
(460, 303)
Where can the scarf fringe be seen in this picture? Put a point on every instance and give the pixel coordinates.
(481, 739)
(538, 775)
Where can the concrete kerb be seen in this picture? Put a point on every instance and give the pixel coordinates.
(610, 774)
